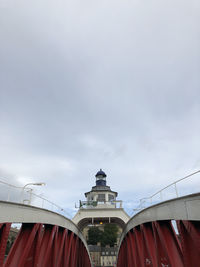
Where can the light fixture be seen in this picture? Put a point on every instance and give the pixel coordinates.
(25, 187)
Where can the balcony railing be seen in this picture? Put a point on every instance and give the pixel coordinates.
(93, 204)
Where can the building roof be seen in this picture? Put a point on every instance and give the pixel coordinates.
(94, 248)
(101, 173)
(100, 189)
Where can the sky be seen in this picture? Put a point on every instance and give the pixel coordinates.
(90, 84)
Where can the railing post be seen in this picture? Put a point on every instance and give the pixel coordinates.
(30, 198)
(176, 189)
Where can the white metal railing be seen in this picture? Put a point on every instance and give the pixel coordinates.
(17, 194)
(175, 190)
(92, 204)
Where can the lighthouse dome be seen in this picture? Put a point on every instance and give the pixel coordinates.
(100, 178)
(100, 174)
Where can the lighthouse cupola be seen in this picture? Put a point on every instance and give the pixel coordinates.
(100, 178)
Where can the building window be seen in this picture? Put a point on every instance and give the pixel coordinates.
(101, 198)
(110, 197)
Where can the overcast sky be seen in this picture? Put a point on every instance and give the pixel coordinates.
(90, 84)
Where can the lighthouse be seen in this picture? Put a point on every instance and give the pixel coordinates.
(101, 196)
(101, 205)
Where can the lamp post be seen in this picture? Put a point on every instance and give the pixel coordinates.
(24, 187)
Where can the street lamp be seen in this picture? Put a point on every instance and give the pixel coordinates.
(23, 188)
(39, 184)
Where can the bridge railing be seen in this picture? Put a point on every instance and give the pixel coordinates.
(17, 194)
(165, 234)
(180, 187)
(43, 239)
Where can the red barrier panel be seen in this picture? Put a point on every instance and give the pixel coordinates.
(4, 232)
(167, 244)
(39, 245)
(189, 232)
(151, 244)
(24, 246)
(148, 239)
(129, 247)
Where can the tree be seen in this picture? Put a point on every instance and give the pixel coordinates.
(106, 237)
(109, 236)
(94, 235)
(9, 244)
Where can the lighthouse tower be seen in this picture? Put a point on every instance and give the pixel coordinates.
(101, 195)
(101, 205)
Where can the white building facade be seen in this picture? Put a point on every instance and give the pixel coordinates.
(101, 205)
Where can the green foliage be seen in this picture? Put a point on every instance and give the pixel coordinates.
(94, 235)
(109, 236)
(9, 244)
(106, 237)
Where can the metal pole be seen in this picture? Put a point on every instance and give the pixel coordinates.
(176, 189)
(30, 196)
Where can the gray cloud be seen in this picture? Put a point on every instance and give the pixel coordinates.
(90, 84)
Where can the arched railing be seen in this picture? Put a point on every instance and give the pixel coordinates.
(45, 239)
(166, 235)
